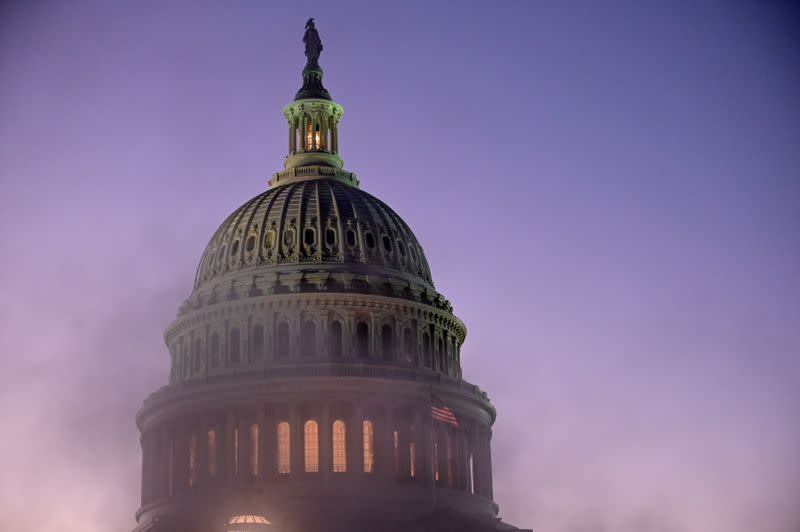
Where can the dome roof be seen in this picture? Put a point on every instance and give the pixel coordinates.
(315, 224)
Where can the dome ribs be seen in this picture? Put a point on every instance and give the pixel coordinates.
(282, 220)
(339, 224)
(262, 232)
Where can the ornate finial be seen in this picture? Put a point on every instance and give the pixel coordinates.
(312, 73)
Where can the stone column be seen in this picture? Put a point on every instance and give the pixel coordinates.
(355, 441)
(325, 441)
(269, 437)
(262, 456)
(202, 452)
(303, 125)
(296, 440)
(292, 134)
(228, 453)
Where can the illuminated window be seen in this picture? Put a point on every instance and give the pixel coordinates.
(339, 448)
(311, 437)
(192, 460)
(396, 440)
(283, 448)
(212, 453)
(369, 449)
(335, 340)
(412, 455)
(254, 450)
(308, 339)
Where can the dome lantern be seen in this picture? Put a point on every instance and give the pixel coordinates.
(313, 119)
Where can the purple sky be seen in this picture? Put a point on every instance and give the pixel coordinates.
(608, 194)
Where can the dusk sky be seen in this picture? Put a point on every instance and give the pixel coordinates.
(607, 192)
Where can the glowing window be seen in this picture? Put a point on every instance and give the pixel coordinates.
(254, 450)
(369, 449)
(283, 448)
(192, 460)
(339, 447)
(212, 453)
(311, 436)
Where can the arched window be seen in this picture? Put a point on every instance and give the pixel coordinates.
(212, 453)
(192, 459)
(311, 437)
(257, 343)
(308, 339)
(234, 349)
(282, 347)
(284, 456)
(387, 342)
(339, 447)
(254, 450)
(362, 340)
(426, 348)
(369, 446)
(213, 351)
(335, 340)
(409, 347)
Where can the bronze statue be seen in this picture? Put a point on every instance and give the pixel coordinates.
(313, 42)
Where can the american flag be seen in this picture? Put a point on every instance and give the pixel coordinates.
(440, 412)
